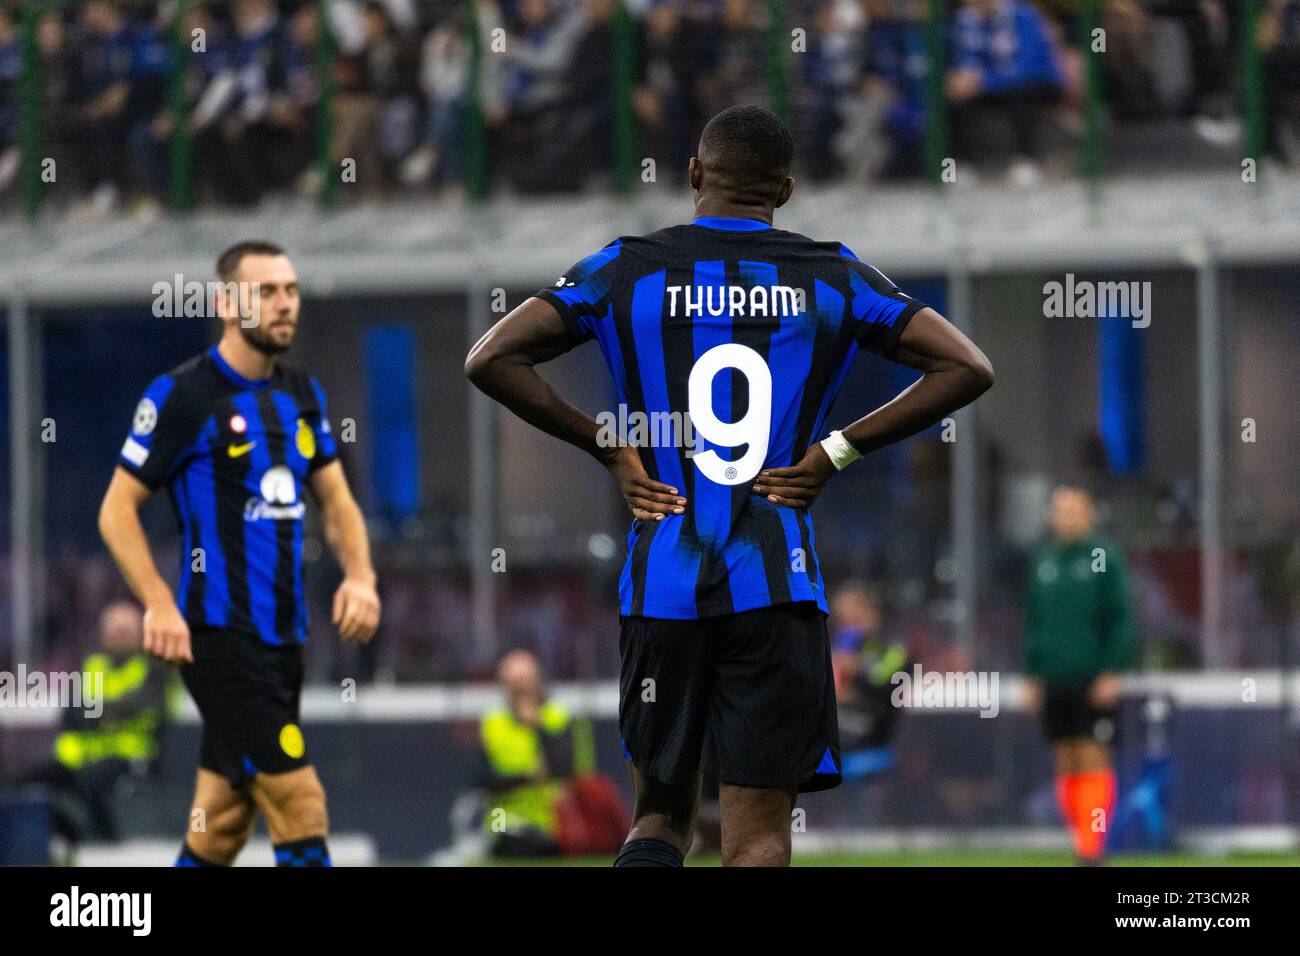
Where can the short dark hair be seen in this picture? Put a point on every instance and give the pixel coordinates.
(750, 150)
(228, 262)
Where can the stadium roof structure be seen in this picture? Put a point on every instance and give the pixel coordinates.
(453, 245)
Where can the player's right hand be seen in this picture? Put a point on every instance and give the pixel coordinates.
(166, 635)
(649, 500)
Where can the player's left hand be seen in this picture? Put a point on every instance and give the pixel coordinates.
(799, 485)
(356, 610)
(1105, 690)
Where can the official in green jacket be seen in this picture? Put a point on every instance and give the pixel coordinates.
(1078, 641)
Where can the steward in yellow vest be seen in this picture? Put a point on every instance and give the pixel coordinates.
(532, 747)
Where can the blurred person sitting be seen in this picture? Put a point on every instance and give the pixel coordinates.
(151, 136)
(1004, 75)
(533, 754)
(11, 68)
(94, 126)
(539, 59)
(150, 78)
(93, 755)
(737, 73)
(1278, 36)
(374, 109)
(444, 84)
(865, 662)
(1078, 640)
(830, 73)
(883, 132)
(668, 108)
(253, 135)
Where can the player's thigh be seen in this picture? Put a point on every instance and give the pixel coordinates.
(664, 688)
(755, 825)
(219, 809)
(773, 722)
(292, 803)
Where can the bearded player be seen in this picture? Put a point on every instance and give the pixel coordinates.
(237, 436)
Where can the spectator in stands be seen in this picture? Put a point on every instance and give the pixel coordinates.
(592, 83)
(532, 748)
(256, 136)
(444, 83)
(737, 74)
(1004, 76)
(11, 66)
(150, 74)
(93, 754)
(829, 75)
(1278, 35)
(885, 134)
(1207, 32)
(669, 104)
(539, 59)
(375, 108)
(95, 127)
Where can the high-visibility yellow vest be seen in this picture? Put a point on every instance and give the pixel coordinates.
(515, 750)
(134, 738)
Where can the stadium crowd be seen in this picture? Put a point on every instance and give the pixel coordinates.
(401, 80)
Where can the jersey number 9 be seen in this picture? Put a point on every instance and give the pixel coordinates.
(750, 429)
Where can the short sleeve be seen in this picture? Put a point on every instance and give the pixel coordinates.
(326, 449)
(880, 310)
(582, 295)
(163, 428)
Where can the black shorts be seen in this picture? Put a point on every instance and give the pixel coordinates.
(248, 693)
(1069, 715)
(747, 699)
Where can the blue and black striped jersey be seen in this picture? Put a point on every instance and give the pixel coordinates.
(727, 340)
(234, 454)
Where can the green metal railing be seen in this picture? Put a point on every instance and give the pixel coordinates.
(778, 59)
(180, 184)
(1091, 149)
(935, 147)
(29, 110)
(624, 132)
(1251, 101)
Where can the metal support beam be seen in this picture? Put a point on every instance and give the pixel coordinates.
(964, 490)
(483, 472)
(1209, 341)
(24, 511)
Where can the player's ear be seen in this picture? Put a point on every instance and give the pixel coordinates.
(695, 173)
(783, 195)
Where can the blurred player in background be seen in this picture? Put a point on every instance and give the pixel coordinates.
(93, 754)
(748, 330)
(237, 435)
(1078, 640)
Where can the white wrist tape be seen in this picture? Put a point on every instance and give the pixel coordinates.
(839, 450)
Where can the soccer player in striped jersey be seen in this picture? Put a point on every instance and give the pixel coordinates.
(748, 330)
(237, 436)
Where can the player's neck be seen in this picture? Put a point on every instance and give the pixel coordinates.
(244, 359)
(716, 208)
